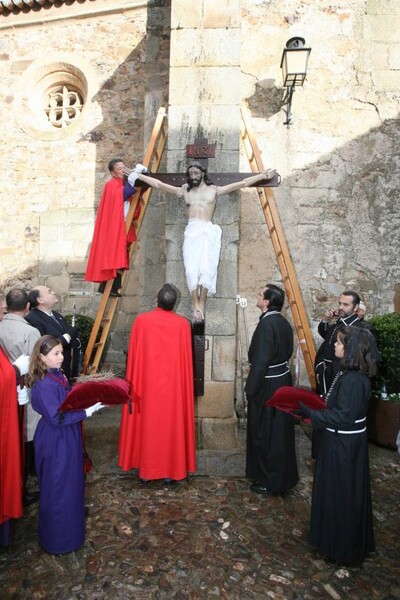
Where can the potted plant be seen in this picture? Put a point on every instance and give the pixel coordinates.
(384, 408)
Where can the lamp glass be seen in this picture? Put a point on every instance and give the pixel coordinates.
(294, 66)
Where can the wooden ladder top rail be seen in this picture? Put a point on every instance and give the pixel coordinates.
(281, 249)
(108, 304)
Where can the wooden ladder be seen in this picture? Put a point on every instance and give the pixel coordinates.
(281, 248)
(108, 304)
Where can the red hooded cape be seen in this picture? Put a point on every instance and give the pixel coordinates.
(158, 437)
(108, 251)
(10, 453)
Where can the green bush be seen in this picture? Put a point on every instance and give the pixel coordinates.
(387, 333)
(84, 325)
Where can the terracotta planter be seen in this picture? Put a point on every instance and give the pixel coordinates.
(383, 422)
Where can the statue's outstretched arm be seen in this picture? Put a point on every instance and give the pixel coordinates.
(160, 185)
(246, 182)
(139, 173)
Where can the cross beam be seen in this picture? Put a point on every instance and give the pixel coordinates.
(178, 179)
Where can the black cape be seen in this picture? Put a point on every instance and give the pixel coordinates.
(341, 513)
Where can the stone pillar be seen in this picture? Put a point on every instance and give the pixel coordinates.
(204, 99)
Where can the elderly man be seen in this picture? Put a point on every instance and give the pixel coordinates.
(202, 238)
(17, 339)
(48, 321)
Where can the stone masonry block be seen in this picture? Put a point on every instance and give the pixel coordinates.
(212, 48)
(218, 400)
(59, 283)
(54, 247)
(382, 28)
(186, 13)
(47, 268)
(219, 434)
(388, 80)
(224, 354)
(389, 7)
(77, 265)
(208, 356)
(205, 87)
(224, 13)
(394, 57)
(221, 316)
(174, 248)
(52, 218)
(227, 280)
(214, 122)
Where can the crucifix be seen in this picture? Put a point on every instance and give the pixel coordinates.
(202, 239)
(200, 191)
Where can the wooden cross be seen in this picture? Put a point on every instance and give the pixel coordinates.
(200, 152)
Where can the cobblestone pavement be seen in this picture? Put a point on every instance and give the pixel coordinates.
(209, 537)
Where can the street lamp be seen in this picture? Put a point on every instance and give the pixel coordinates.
(294, 70)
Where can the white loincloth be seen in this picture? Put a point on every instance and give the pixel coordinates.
(201, 249)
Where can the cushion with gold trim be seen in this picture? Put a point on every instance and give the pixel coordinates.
(101, 387)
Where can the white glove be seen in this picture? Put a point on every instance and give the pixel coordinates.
(140, 168)
(132, 177)
(92, 409)
(67, 337)
(136, 171)
(23, 396)
(22, 363)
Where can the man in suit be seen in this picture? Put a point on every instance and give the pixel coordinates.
(270, 453)
(48, 321)
(17, 338)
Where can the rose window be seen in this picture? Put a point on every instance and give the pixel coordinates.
(63, 105)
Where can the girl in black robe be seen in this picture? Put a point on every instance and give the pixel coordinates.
(341, 512)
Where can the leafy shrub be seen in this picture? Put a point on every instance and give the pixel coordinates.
(85, 326)
(387, 333)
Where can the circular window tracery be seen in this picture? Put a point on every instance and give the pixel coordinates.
(63, 105)
(52, 98)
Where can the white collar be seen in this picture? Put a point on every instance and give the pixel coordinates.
(270, 312)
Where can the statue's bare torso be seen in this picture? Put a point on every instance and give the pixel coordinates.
(200, 201)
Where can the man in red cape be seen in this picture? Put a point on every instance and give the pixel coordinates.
(157, 432)
(10, 450)
(108, 252)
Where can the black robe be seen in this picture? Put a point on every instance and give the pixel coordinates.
(341, 512)
(57, 327)
(326, 363)
(270, 452)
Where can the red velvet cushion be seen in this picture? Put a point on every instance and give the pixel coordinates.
(107, 391)
(287, 398)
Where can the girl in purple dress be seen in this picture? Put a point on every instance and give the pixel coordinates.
(58, 451)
